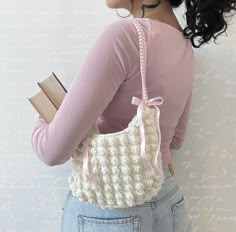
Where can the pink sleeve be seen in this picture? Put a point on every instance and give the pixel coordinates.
(181, 127)
(102, 72)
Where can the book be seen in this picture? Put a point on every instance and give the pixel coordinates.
(48, 100)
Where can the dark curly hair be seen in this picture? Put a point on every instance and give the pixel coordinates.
(204, 17)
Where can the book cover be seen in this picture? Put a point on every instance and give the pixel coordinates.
(44, 106)
(54, 89)
(48, 100)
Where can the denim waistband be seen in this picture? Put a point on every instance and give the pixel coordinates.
(166, 170)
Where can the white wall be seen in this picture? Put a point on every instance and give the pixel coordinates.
(38, 37)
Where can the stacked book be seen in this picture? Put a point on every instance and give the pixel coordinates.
(48, 100)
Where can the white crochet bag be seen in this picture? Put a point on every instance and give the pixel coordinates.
(122, 169)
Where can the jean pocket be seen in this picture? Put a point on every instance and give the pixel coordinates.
(125, 224)
(181, 218)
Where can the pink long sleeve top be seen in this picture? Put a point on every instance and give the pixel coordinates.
(109, 77)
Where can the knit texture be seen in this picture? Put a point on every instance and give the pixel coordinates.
(116, 163)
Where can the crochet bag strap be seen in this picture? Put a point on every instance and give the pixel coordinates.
(143, 66)
(143, 57)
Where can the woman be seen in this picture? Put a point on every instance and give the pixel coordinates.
(104, 87)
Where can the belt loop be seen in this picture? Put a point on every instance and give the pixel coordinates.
(171, 168)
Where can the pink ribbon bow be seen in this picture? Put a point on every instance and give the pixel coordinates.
(149, 169)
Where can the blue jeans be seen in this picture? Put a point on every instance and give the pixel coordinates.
(166, 212)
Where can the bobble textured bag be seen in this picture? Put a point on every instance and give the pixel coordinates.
(122, 169)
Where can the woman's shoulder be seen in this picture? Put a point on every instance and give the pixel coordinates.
(126, 26)
(123, 31)
(120, 27)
